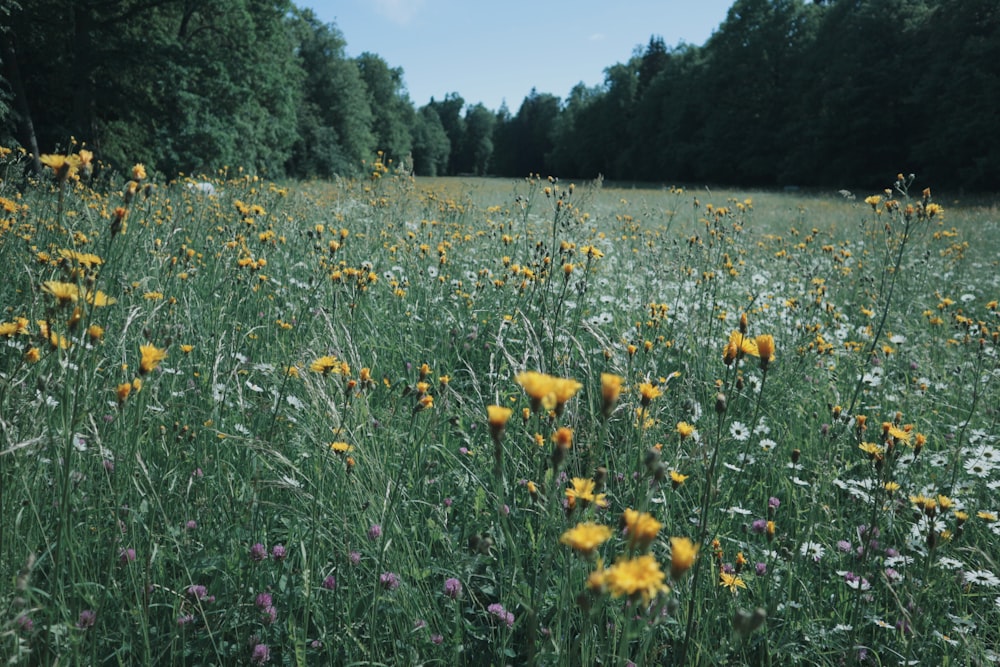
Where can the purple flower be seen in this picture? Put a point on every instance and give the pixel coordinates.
(191, 524)
(258, 552)
(760, 569)
(437, 639)
(354, 557)
(197, 591)
(453, 588)
(844, 546)
(419, 624)
(260, 655)
(184, 619)
(329, 583)
(497, 611)
(759, 526)
(264, 600)
(374, 532)
(278, 552)
(109, 466)
(86, 619)
(447, 502)
(389, 580)
(24, 623)
(773, 503)
(270, 615)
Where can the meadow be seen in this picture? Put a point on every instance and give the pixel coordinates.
(399, 421)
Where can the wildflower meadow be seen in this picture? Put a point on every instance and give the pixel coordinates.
(411, 421)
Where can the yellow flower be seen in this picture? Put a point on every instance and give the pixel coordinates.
(539, 387)
(900, 435)
(99, 299)
(341, 447)
(683, 553)
(641, 527)
(325, 365)
(32, 355)
(988, 517)
(874, 451)
(95, 332)
(64, 293)
(742, 344)
(585, 537)
(65, 166)
(564, 389)
(684, 429)
(546, 391)
(648, 392)
(563, 437)
(497, 416)
(636, 577)
(138, 172)
(731, 581)
(123, 390)
(151, 358)
(583, 491)
(676, 479)
(84, 259)
(765, 349)
(9, 329)
(611, 389)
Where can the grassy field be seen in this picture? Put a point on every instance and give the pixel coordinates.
(468, 421)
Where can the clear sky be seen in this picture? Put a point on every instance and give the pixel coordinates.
(496, 51)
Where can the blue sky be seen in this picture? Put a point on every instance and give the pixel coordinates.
(494, 51)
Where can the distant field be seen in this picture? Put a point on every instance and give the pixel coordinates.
(486, 421)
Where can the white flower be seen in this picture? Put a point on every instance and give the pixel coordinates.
(739, 431)
(981, 578)
(978, 468)
(767, 444)
(812, 549)
(949, 563)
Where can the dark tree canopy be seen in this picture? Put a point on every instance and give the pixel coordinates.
(836, 93)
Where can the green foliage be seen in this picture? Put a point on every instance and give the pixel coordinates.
(312, 469)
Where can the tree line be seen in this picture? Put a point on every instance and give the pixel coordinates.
(784, 92)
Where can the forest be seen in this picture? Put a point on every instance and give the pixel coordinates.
(838, 93)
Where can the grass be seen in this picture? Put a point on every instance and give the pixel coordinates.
(314, 474)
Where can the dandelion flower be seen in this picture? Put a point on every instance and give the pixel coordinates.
(641, 528)
(586, 537)
(539, 387)
(583, 491)
(151, 358)
(497, 416)
(765, 349)
(611, 389)
(648, 392)
(640, 576)
(64, 293)
(325, 365)
(684, 429)
(683, 553)
(731, 581)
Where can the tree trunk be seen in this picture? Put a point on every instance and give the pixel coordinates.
(26, 127)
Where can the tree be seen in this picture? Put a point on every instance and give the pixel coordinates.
(477, 146)
(431, 146)
(392, 112)
(449, 112)
(334, 118)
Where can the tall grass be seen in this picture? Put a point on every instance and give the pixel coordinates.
(487, 422)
